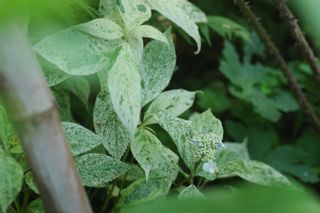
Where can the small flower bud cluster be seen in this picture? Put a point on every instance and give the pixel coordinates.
(206, 146)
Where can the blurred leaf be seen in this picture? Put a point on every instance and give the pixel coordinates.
(190, 192)
(36, 206)
(28, 178)
(250, 199)
(10, 182)
(228, 28)
(248, 81)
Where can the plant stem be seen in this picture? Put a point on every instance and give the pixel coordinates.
(298, 35)
(32, 110)
(293, 83)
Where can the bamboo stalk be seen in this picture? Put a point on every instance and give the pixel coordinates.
(271, 47)
(299, 37)
(32, 110)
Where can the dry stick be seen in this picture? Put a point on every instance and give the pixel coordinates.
(298, 35)
(293, 83)
(32, 110)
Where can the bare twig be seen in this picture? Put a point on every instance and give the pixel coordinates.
(298, 35)
(31, 108)
(293, 83)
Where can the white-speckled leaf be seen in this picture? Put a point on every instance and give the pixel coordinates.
(147, 31)
(11, 176)
(176, 13)
(173, 102)
(156, 160)
(142, 191)
(125, 89)
(253, 171)
(190, 192)
(197, 15)
(181, 133)
(36, 206)
(79, 138)
(28, 178)
(156, 68)
(134, 13)
(7, 133)
(99, 169)
(107, 7)
(103, 28)
(116, 136)
(62, 98)
(207, 123)
(136, 45)
(78, 53)
(52, 73)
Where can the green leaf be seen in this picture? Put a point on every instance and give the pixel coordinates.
(77, 53)
(156, 68)
(144, 190)
(36, 206)
(294, 161)
(125, 89)
(190, 192)
(80, 87)
(181, 133)
(103, 28)
(228, 28)
(173, 102)
(28, 178)
(156, 160)
(98, 169)
(174, 10)
(79, 138)
(11, 180)
(116, 136)
(246, 199)
(257, 84)
(7, 133)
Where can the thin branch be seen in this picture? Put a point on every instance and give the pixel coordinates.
(292, 81)
(32, 110)
(298, 35)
